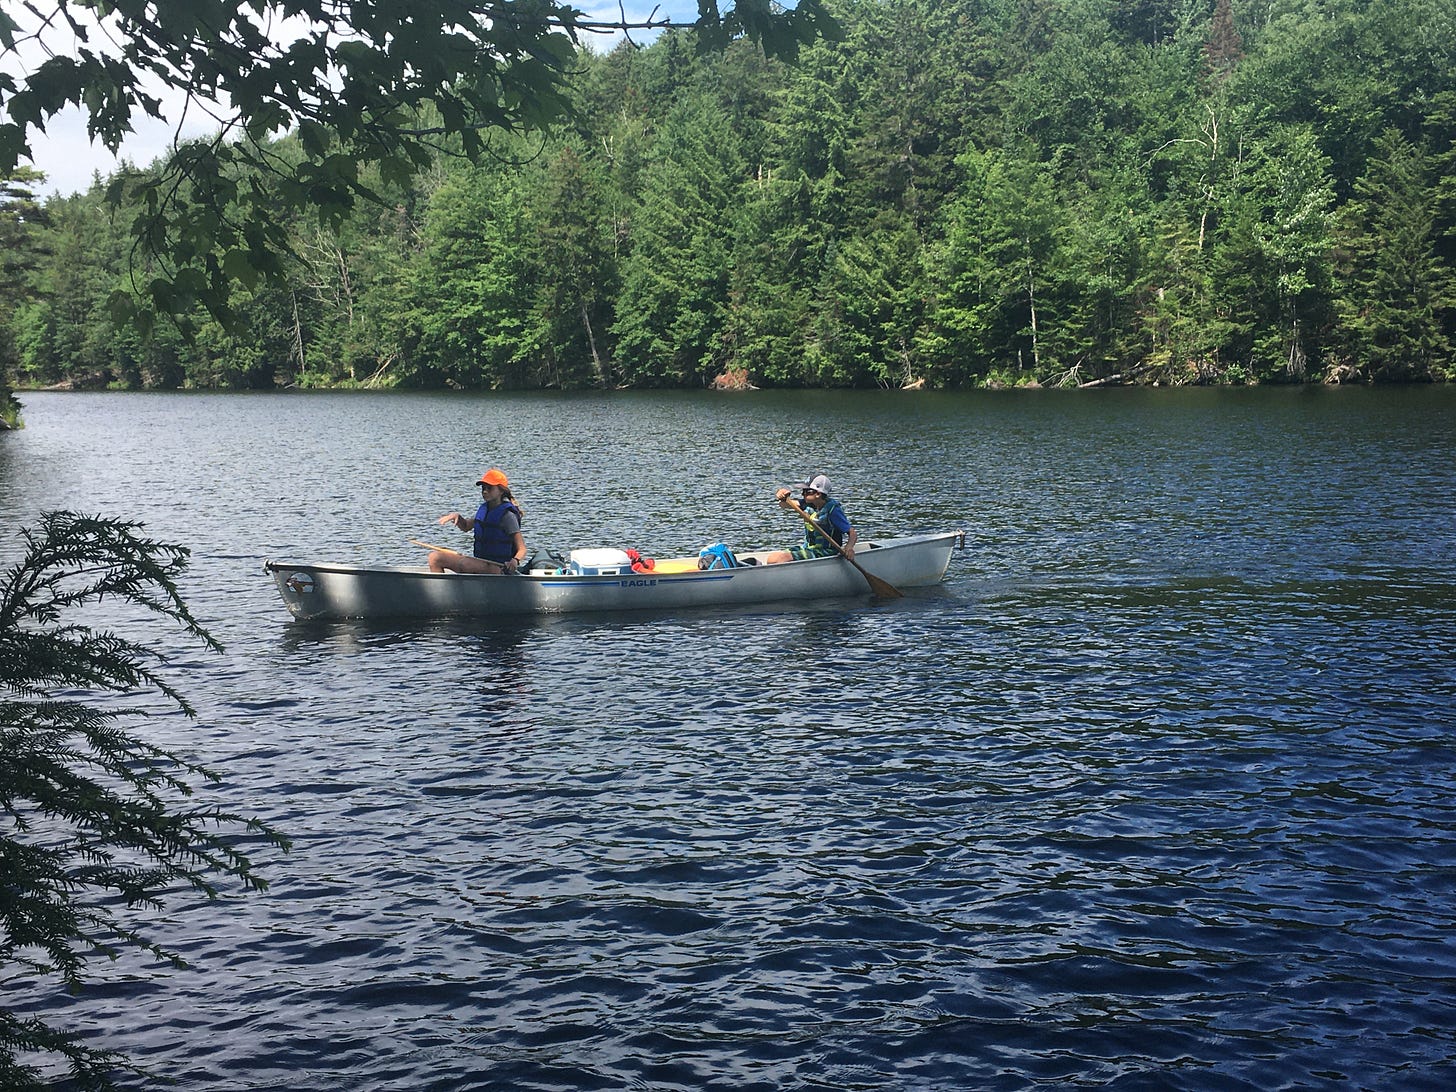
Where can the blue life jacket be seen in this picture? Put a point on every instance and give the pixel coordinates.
(492, 543)
(716, 556)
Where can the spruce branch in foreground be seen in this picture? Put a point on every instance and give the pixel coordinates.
(94, 822)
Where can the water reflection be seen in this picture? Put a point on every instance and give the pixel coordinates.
(356, 635)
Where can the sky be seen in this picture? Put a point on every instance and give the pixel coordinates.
(70, 160)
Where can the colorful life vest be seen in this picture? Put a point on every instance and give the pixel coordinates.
(824, 528)
(640, 564)
(492, 543)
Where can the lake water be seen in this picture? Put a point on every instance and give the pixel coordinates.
(1158, 791)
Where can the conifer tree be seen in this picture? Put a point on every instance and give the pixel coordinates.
(673, 305)
(1397, 291)
(574, 271)
(463, 317)
(95, 823)
(1225, 46)
(21, 251)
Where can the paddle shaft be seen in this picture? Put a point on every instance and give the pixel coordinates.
(882, 588)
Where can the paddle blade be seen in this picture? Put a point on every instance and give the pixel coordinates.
(880, 587)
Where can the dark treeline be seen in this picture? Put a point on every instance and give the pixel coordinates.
(960, 192)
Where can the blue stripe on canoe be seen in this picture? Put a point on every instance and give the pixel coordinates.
(615, 581)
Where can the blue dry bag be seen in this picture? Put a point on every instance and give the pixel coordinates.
(716, 556)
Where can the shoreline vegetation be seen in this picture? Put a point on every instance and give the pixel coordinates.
(734, 385)
(956, 195)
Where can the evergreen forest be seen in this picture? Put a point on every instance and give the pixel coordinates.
(955, 193)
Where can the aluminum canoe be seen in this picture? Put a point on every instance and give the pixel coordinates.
(326, 591)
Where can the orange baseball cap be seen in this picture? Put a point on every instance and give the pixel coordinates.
(494, 477)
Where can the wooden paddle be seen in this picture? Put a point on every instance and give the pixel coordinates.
(880, 587)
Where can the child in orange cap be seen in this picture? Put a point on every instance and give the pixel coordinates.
(499, 545)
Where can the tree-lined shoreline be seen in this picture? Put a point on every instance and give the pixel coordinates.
(1049, 192)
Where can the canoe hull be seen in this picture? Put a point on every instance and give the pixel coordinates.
(325, 591)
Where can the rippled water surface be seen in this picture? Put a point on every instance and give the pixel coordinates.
(1156, 791)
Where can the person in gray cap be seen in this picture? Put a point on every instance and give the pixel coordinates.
(830, 522)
